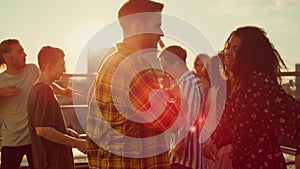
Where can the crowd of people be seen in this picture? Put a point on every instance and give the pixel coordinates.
(143, 117)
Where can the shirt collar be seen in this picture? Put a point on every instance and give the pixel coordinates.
(184, 75)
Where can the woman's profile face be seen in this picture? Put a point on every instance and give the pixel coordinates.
(231, 52)
(198, 66)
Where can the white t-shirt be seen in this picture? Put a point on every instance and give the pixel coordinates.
(13, 110)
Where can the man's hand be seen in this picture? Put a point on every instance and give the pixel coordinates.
(80, 143)
(69, 92)
(73, 133)
(81, 146)
(9, 91)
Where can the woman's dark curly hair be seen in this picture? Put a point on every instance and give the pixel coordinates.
(256, 53)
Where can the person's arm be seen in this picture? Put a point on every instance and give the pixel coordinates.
(9, 91)
(61, 91)
(68, 92)
(287, 111)
(73, 133)
(48, 111)
(210, 151)
(53, 135)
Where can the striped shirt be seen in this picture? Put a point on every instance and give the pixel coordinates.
(188, 152)
(115, 140)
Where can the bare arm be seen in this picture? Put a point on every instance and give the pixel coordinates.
(68, 92)
(53, 135)
(59, 90)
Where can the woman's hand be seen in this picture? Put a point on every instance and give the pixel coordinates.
(210, 151)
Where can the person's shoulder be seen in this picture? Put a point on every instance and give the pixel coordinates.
(190, 79)
(117, 56)
(112, 55)
(261, 78)
(42, 88)
(191, 76)
(259, 75)
(32, 67)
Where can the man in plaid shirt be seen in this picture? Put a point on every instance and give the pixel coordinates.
(125, 95)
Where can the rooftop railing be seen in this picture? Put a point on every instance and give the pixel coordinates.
(82, 83)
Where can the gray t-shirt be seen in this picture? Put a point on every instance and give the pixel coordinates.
(13, 110)
(44, 111)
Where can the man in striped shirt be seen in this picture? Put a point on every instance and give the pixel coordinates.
(187, 153)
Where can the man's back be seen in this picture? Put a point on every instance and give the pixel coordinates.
(120, 91)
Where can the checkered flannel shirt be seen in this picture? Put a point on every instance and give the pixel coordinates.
(120, 87)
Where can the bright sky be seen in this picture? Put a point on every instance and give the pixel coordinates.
(70, 24)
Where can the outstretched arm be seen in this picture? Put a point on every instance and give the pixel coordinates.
(9, 91)
(53, 135)
(61, 91)
(68, 92)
